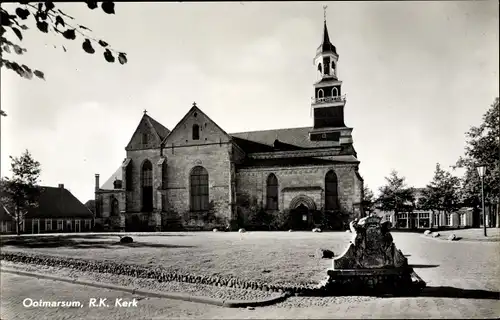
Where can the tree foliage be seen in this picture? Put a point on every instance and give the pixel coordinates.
(395, 195)
(20, 193)
(442, 194)
(368, 199)
(48, 19)
(482, 147)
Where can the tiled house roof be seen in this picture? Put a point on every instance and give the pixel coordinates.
(54, 203)
(90, 205)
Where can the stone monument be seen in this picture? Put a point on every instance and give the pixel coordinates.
(371, 263)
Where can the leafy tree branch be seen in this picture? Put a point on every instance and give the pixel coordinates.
(49, 19)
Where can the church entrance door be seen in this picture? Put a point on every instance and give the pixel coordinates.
(300, 218)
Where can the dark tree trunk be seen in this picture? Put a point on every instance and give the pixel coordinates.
(497, 214)
(18, 222)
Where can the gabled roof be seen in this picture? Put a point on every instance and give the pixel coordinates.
(193, 109)
(54, 203)
(158, 129)
(297, 137)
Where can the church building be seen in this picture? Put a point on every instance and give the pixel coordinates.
(197, 174)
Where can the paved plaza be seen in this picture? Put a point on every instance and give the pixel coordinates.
(462, 279)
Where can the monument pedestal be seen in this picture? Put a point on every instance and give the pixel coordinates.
(371, 264)
(397, 281)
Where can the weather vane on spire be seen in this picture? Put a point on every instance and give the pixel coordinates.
(324, 11)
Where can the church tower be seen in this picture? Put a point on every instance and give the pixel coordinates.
(328, 101)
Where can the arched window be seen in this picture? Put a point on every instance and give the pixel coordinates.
(321, 94)
(331, 195)
(147, 186)
(164, 174)
(196, 132)
(115, 209)
(335, 92)
(199, 189)
(272, 192)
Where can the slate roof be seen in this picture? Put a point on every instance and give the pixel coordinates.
(298, 137)
(54, 203)
(252, 142)
(159, 128)
(90, 205)
(108, 185)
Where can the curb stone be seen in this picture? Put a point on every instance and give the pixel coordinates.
(153, 294)
(442, 239)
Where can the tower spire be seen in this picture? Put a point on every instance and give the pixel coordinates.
(326, 45)
(328, 102)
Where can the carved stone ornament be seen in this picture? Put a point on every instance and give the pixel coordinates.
(372, 247)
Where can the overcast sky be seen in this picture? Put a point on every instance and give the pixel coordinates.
(417, 76)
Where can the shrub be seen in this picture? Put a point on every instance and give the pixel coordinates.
(98, 227)
(261, 220)
(248, 211)
(281, 220)
(207, 220)
(335, 220)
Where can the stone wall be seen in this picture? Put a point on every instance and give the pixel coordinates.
(107, 197)
(137, 159)
(301, 181)
(215, 158)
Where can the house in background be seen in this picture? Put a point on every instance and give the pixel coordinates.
(426, 219)
(58, 211)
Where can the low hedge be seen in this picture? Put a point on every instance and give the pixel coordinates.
(152, 272)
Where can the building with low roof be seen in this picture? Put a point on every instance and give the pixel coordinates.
(58, 210)
(420, 218)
